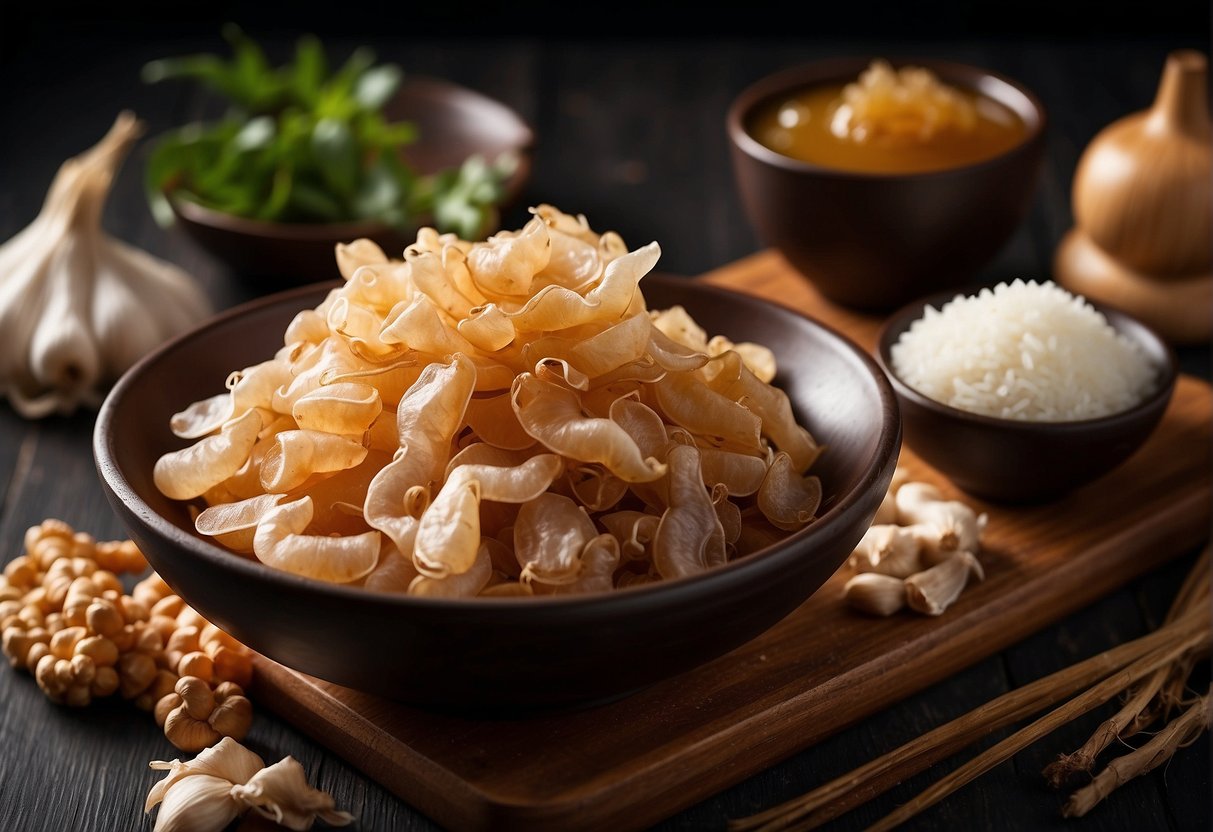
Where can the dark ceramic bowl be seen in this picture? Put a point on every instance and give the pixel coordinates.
(877, 240)
(1015, 461)
(504, 653)
(453, 123)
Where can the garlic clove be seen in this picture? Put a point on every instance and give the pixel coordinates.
(226, 759)
(889, 550)
(202, 803)
(281, 792)
(934, 590)
(875, 594)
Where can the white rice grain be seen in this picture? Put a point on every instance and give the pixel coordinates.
(1023, 350)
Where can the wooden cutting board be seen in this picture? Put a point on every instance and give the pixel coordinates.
(630, 763)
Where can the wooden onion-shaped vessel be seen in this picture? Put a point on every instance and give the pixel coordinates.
(1143, 202)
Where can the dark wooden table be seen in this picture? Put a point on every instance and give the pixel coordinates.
(631, 134)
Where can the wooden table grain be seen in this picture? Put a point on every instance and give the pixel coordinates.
(630, 132)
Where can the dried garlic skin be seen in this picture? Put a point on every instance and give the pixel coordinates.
(77, 307)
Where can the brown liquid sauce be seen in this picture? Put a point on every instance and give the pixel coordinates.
(798, 126)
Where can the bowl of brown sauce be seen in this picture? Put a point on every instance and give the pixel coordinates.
(881, 181)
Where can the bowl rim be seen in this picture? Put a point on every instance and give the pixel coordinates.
(1123, 322)
(684, 589)
(846, 67)
(345, 230)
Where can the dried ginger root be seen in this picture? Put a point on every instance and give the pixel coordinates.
(920, 553)
(64, 617)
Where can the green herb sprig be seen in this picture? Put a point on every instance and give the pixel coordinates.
(302, 144)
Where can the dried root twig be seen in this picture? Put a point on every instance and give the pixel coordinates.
(1178, 733)
(1155, 697)
(1145, 667)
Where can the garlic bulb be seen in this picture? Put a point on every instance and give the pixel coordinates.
(78, 307)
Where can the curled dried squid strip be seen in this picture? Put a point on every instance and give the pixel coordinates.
(506, 263)
(203, 418)
(428, 417)
(689, 537)
(555, 307)
(552, 415)
(190, 472)
(353, 256)
(279, 542)
(449, 535)
(298, 454)
(345, 407)
(233, 524)
(788, 500)
(463, 585)
(688, 402)
(549, 536)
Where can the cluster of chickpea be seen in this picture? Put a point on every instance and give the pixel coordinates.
(65, 618)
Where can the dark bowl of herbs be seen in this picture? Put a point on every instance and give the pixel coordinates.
(309, 156)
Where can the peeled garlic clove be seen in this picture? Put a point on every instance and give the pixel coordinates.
(281, 793)
(889, 550)
(201, 803)
(933, 590)
(875, 594)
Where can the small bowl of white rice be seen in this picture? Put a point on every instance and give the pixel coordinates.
(1024, 391)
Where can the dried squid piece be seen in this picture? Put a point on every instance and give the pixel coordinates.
(642, 423)
(786, 499)
(596, 488)
(255, 386)
(191, 472)
(613, 347)
(307, 327)
(671, 355)
(359, 325)
(203, 418)
(549, 536)
(689, 537)
(575, 263)
(353, 256)
(555, 307)
(337, 498)
(395, 570)
(688, 402)
(506, 263)
(598, 561)
(279, 542)
(462, 585)
(391, 380)
(487, 328)
(482, 453)
(734, 380)
(431, 279)
(552, 415)
(558, 370)
(728, 513)
(759, 359)
(234, 524)
(298, 454)
(741, 474)
(345, 408)
(419, 326)
(493, 420)
(598, 353)
(678, 325)
(449, 535)
(455, 263)
(429, 416)
(380, 286)
(644, 370)
(634, 530)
